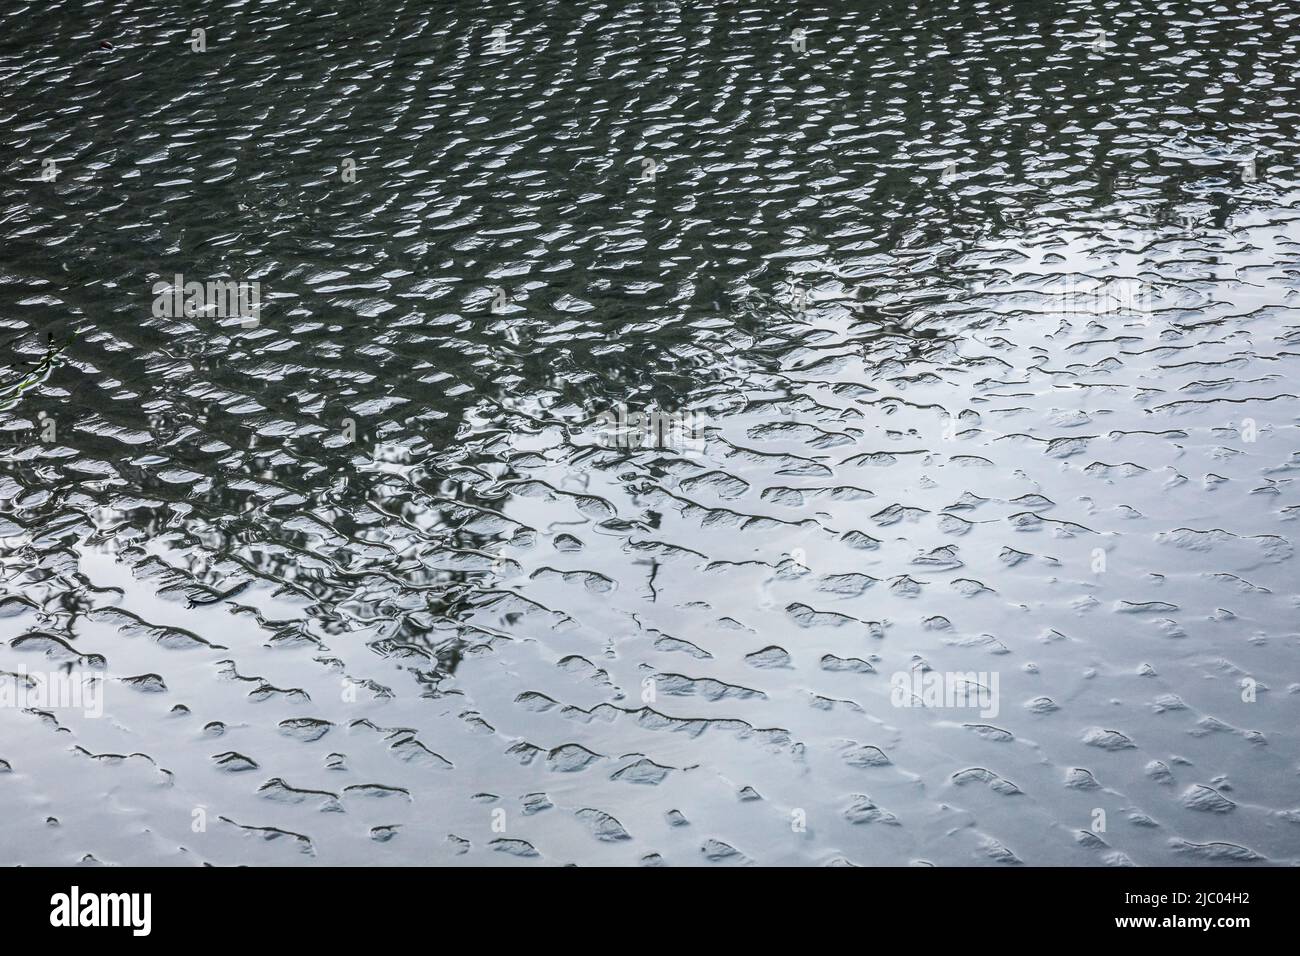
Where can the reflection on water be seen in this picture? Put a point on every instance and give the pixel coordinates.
(977, 548)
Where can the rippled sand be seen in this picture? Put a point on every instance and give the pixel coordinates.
(986, 322)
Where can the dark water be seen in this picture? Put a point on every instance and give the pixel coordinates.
(987, 322)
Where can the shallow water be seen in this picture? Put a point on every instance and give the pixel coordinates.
(982, 336)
